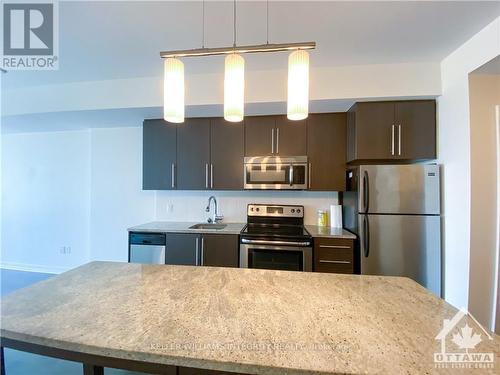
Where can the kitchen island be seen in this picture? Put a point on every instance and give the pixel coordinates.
(175, 319)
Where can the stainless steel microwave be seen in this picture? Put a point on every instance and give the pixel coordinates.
(275, 173)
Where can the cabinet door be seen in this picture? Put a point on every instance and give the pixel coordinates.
(374, 131)
(227, 150)
(416, 122)
(182, 249)
(259, 135)
(333, 255)
(220, 250)
(158, 155)
(326, 150)
(193, 154)
(290, 137)
(351, 135)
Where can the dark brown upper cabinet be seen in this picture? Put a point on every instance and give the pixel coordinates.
(416, 121)
(193, 154)
(326, 151)
(274, 135)
(290, 137)
(227, 150)
(259, 135)
(159, 155)
(399, 130)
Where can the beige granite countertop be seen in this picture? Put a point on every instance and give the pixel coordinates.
(317, 231)
(183, 227)
(241, 320)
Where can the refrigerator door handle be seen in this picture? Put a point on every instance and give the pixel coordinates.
(366, 192)
(366, 237)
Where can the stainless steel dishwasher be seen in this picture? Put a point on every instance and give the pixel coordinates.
(147, 248)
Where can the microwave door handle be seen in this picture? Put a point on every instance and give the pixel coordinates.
(290, 175)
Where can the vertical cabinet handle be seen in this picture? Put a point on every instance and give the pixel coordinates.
(272, 141)
(172, 170)
(196, 251)
(399, 139)
(202, 251)
(211, 176)
(277, 140)
(206, 175)
(392, 139)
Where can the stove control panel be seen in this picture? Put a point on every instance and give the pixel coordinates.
(275, 210)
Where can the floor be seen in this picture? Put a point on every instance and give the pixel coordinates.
(20, 363)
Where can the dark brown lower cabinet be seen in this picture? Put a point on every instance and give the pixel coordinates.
(182, 249)
(333, 255)
(220, 250)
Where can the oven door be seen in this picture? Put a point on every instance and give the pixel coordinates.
(275, 256)
(275, 173)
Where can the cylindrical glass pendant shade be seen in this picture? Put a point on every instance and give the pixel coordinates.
(234, 88)
(173, 90)
(298, 85)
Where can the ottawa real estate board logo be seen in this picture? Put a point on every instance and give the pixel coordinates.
(460, 344)
(30, 35)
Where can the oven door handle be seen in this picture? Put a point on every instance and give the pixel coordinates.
(277, 243)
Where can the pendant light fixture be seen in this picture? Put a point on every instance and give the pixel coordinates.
(298, 85)
(234, 88)
(234, 81)
(234, 75)
(173, 90)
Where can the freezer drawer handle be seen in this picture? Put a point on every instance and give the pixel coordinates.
(335, 261)
(366, 233)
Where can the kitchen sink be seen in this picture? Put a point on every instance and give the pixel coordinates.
(208, 226)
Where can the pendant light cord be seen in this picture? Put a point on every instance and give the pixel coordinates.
(234, 23)
(203, 25)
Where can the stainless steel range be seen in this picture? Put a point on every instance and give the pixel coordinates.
(275, 238)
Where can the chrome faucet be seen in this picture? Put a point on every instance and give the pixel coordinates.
(215, 217)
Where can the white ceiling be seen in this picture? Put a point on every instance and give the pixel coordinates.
(108, 40)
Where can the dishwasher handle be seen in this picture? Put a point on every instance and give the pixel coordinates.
(154, 239)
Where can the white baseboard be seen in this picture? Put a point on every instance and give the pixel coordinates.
(33, 268)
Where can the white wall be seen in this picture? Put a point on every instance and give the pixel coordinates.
(190, 206)
(117, 199)
(45, 200)
(82, 189)
(484, 90)
(264, 86)
(454, 154)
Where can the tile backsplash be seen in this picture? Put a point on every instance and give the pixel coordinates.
(190, 205)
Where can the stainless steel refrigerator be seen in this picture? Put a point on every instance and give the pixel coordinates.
(395, 211)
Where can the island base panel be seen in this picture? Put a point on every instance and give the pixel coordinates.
(92, 370)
